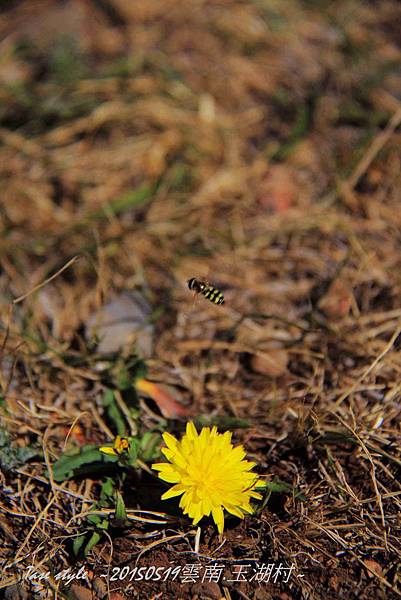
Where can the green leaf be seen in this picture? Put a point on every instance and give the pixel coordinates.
(121, 513)
(4, 438)
(133, 451)
(104, 524)
(78, 544)
(222, 423)
(135, 198)
(285, 488)
(113, 412)
(81, 461)
(65, 60)
(149, 446)
(301, 126)
(279, 486)
(93, 540)
(124, 379)
(107, 491)
(140, 370)
(94, 519)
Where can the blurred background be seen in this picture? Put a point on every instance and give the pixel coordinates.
(172, 139)
(253, 144)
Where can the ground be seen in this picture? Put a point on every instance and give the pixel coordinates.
(254, 145)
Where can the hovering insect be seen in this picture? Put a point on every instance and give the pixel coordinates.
(207, 290)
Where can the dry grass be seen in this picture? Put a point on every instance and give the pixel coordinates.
(256, 143)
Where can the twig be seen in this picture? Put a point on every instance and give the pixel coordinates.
(382, 354)
(377, 144)
(37, 287)
(373, 475)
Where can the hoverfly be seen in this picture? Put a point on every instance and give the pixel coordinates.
(207, 290)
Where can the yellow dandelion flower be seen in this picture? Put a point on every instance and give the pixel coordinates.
(121, 446)
(210, 474)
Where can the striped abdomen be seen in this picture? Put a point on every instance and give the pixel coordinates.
(210, 292)
(213, 294)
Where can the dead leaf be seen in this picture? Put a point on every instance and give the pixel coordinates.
(274, 363)
(278, 192)
(78, 592)
(15, 592)
(334, 582)
(43, 22)
(164, 399)
(336, 303)
(207, 589)
(100, 587)
(374, 566)
(76, 434)
(124, 320)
